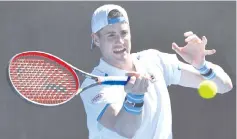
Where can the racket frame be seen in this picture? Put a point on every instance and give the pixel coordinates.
(111, 80)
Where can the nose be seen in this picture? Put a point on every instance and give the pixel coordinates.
(119, 39)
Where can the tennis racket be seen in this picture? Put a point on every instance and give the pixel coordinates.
(44, 79)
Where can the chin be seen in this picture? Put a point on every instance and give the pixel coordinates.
(124, 57)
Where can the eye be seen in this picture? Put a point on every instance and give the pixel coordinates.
(111, 35)
(124, 32)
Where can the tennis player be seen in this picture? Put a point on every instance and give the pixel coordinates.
(141, 109)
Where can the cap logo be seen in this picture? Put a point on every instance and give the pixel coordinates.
(116, 20)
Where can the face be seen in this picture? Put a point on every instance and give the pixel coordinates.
(114, 42)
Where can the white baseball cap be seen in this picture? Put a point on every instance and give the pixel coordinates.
(100, 18)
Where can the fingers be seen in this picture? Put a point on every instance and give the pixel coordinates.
(140, 85)
(130, 83)
(136, 74)
(193, 39)
(137, 84)
(210, 52)
(145, 84)
(190, 35)
(137, 87)
(133, 76)
(186, 34)
(204, 40)
(176, 48)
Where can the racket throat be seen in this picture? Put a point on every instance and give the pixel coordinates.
(91, 77)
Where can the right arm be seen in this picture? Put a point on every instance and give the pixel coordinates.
(118, 119)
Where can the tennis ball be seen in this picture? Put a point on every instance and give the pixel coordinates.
(207, 89)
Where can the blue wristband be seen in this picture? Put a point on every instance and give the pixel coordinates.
(206, 71)
(133, 103)
(132, 110)
(135, 98)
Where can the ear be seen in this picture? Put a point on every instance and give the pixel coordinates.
(96, 40)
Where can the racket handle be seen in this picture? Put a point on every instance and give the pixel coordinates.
(114, 80)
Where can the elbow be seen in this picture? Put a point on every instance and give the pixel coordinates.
(228, 86)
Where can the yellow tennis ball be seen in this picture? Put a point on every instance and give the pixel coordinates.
(207, 89)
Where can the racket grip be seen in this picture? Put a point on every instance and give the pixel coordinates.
(114, 80)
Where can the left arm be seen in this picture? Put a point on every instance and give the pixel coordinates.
(190, 77)
(194, 53)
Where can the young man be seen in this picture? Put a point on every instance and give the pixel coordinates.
(140, 109)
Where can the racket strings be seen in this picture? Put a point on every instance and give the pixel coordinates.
(42, 80)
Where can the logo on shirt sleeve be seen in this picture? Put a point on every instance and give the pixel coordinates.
(98, 98)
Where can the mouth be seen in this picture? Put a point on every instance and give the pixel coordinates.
(119, 50)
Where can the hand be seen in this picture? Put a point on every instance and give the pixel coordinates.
(194, 51)
(137, 84)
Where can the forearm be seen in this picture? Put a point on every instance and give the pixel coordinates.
(124, 120)
(190, 77)
(127, 123)
(129, 118)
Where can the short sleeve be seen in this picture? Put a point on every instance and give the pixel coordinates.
(98, 98)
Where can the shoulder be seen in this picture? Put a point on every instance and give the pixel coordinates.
(148, 52)
(158, 55)
(153, 55)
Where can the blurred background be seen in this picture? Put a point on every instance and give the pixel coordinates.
(63, 29)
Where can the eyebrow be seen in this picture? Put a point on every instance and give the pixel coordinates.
(110, 32)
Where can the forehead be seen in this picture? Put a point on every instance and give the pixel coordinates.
(115, 27)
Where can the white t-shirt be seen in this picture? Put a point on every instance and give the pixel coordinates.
(156, 118)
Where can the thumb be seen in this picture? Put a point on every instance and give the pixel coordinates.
(210, 52)
(136, 74)
(132, 80)
(176, 48)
